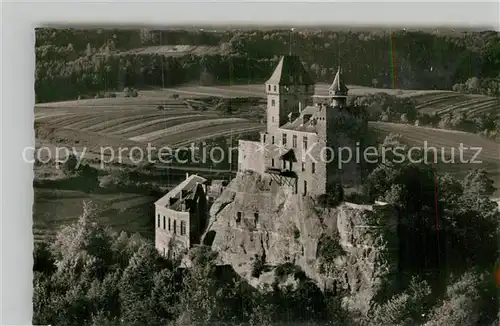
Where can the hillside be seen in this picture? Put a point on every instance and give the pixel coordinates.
(255, 220)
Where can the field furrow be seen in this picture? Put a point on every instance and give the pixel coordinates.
(463, 104)
(206, 132)
(477, 107)
(65, 121)
(120, 122)
(142, 119)
(158, 124)
(198, 126)
(241, 131)
(427, 100)
(442, 138)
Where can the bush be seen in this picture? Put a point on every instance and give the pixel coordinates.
(160, 108)
(130, 92)
(258, 265)
(109, 94)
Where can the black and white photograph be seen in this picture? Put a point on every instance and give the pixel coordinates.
(274, 174)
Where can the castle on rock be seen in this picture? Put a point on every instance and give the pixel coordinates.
(308, 140)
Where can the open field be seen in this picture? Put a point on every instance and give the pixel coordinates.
(54, 208)
(450, 141)
(126, 121)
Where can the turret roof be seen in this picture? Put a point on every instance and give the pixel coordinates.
(338, 87)
(290, 71)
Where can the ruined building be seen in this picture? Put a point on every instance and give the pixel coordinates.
(181, 216)
(301, 145)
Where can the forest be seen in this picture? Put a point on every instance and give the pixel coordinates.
(72, 63)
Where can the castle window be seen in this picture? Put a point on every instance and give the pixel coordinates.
(305, 187)
(273, 102)
(164, 222)
(238, 217)
(284, 140)
(294, 141)
(175, 227)
(272, 139)
(303, 166)
(183, 228)
(269, 87)
(304, 142)
(169, 228)
(158, 221)
(274, 88)
(272, 117)
(272, 162)
(313, 167)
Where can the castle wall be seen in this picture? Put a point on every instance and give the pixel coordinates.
(251, 156)
(163, 237)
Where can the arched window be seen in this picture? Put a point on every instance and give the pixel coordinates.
(238, 217)
(175, 227)
(164, 222)
(274, 88)
(273, 102)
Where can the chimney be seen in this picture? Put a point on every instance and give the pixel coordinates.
(187, 175)
(300, 107)
(290, 116)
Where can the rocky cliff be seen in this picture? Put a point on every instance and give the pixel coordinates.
(346, 249)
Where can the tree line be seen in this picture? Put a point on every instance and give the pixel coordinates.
(80, 62)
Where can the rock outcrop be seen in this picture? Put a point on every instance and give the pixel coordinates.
(257, 218)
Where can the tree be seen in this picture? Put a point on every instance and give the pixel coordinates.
(449, 188)
(473, 85)
(69, 166)
(477, 181)
(199, 295)
(406, 308)
(461, 305)
(43, 260)
(397, 196)
(137, 283)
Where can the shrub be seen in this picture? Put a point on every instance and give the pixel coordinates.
(258, 265)
(130, 92)
(160, 107)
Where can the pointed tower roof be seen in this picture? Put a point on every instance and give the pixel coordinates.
(338, 88)
(290, 71)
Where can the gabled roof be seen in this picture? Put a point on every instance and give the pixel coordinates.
(290, 71)
(338, 87)
(189, 185)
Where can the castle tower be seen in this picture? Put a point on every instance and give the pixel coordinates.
(289, 89)
(338, 90)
